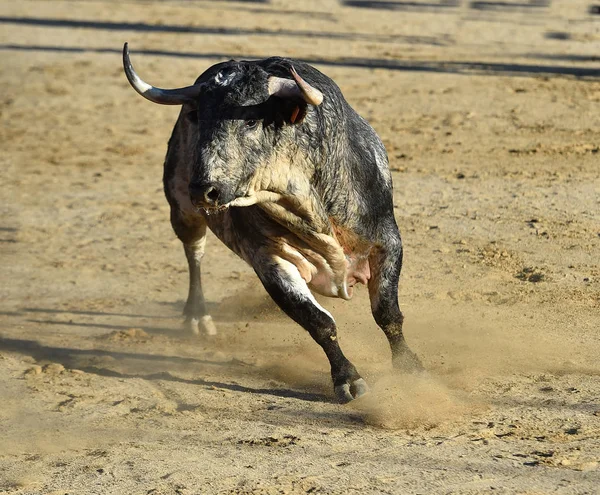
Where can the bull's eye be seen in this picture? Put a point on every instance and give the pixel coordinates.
(250, 124)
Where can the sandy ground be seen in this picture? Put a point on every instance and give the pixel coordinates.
(491, 117)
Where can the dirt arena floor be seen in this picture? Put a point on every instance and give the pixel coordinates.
(490, 112)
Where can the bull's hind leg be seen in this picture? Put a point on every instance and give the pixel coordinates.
(288, 289)
(193, 236)
(386, 262)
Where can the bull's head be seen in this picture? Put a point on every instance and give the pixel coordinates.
(236, 124)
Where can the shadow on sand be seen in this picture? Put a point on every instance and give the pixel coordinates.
(71, 357)
(447, 67)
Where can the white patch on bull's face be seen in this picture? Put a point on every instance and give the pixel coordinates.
(224, 80)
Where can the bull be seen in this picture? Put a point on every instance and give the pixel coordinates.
(270, 156)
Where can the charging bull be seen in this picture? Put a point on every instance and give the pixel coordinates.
(270, 156)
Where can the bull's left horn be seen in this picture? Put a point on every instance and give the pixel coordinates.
(162, 96)
(287, 88)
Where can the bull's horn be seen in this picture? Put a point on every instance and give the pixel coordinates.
(163, 96)
(287, 88)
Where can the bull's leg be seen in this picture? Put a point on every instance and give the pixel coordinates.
(193, 237)
(288, 289)
(386, 262)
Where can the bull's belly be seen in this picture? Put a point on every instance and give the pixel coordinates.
(248, 231)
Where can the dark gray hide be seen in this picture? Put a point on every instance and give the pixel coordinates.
(299, 189)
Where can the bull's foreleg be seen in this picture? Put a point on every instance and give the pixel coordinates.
(386, 262)
(193, 237)
(288, 289)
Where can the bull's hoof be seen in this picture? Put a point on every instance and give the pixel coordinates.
(408, 362)
(201, 326)
(350, 391)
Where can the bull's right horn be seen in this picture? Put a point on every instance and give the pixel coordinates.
(179, 96)
(298, 87)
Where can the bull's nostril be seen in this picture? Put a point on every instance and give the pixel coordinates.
(205, 195)
(212, 195)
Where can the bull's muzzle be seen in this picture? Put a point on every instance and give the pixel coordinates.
(209, 195)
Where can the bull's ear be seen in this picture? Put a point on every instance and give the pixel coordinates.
(287, 111)
(296, 113)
